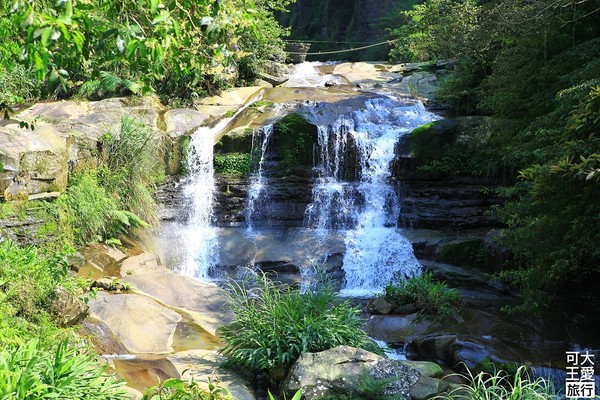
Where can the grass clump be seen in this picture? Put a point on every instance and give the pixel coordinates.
(275, 324)
(91, 213)
(432, 298)
(132, 165)
(501, 386)
(29, 372)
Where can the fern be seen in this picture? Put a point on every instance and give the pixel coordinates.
(109, 84)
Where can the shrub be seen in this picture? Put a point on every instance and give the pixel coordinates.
(431, 297)
(497, 386)
(236, 164)
(27, 372)
(275, 324)
(91, 213)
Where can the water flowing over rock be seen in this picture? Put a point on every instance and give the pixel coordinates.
(345, 189)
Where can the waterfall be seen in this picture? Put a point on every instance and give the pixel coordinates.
(260, 142)
(362, 202)
(200, 236)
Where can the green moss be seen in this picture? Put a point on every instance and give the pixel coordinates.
(428, 142)
(465, 253)
(293, 142)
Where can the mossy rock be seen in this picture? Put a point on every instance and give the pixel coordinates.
(293, 142)
(236, 141)
(465, 253)
(427, 142)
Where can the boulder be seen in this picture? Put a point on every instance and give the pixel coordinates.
(427, 387)
(142, 325)
(348, 371)
(35, 161)
(100, 260)
(425, 368)
(379, 305)
(205, 303)
(67, 310)
(206, 367)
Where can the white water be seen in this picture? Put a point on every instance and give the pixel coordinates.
(367, 209)
(200, 236)
(260, 140)
(307, 75)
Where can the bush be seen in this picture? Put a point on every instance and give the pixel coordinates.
(431, 297)
(27, 372)
(92, 215)
(498, 386)
(275, 324)
(236, 164)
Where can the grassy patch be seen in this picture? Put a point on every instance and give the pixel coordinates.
(430, 297)
(29, 372)
(236, 164)
(275, 324)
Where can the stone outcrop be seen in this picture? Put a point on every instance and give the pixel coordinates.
(141, 324)
(67, 309)
(340, 371)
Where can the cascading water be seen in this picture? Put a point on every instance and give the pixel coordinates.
(260, 141)
(367, 209)
(200, 236)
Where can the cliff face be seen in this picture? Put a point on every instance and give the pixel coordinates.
(343, 21)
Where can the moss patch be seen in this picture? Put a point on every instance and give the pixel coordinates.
(293, 141)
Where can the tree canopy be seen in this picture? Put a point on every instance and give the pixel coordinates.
(536, 64)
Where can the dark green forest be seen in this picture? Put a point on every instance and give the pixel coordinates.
(534, 66)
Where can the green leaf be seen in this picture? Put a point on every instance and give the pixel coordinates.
(46, 35)
(161, 17)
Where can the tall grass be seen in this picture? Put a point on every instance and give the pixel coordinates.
(132, 165)
(431, 297)
(275, 324)
(501, 386)
(91, 214)
(27, 373)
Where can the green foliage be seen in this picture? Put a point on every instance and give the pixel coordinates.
(179, 389)
(132, 165)
(107, 85)
(427, 27)
(28, 279)
(295, 138)
(178, 48)
(28, 372)
(275, 324)
(431, 298)
(552, 214)
(91, 213)
(236, 164)
(499, 386)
